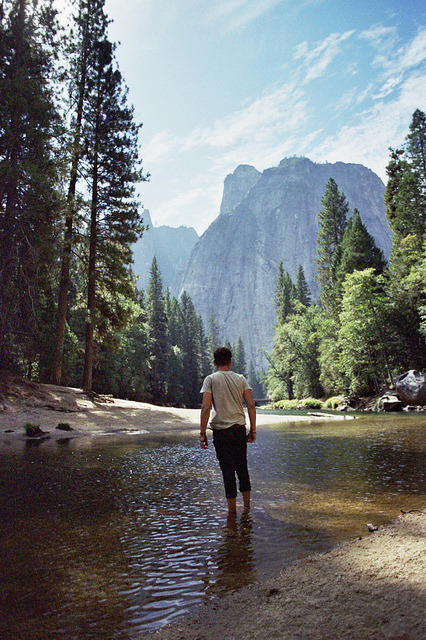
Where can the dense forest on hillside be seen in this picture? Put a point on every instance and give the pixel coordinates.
(70, 311)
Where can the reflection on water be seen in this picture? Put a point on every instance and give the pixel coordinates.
(108, 539)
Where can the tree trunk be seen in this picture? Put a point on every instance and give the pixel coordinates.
(91, 284)
(91, 291)
(61, 317)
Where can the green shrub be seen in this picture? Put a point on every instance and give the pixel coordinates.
(311, 403)
(334, 402)
(288, 405)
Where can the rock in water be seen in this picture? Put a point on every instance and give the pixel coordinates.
(411, 387)
(266, 218)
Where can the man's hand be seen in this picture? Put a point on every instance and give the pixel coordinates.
(251, 436)
(203, 441)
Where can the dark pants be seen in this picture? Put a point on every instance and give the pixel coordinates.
(231, 451)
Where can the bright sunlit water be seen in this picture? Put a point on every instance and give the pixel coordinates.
(111, 537)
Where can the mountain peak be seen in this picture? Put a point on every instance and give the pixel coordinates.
(236, 187)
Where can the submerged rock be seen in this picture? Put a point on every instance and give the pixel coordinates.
(33, 432)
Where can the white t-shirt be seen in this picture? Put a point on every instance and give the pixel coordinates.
(227, 389)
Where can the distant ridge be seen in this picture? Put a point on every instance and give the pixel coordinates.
(171, 246)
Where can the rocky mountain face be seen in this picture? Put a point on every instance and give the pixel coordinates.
(172, 248)
(265, 218)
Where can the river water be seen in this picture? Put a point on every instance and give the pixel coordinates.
(115, 536)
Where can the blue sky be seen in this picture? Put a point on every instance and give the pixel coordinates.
(228, 82)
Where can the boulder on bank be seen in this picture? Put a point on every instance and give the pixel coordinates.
(411, 387)
(390, 402)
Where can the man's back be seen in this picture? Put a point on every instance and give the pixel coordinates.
(227, 389)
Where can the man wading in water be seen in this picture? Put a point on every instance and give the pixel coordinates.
(226, 389)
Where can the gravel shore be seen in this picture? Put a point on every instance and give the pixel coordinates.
(373, 588)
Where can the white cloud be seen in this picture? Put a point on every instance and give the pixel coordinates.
(389, 86)
(380, 127)
(380, 35)
(392, 59)
(414, 53)
(157, 148)
(315, 61)
(204, 197)
(347, 99)
(239, 13)
(282, 109)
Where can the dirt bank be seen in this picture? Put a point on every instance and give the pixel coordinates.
(370, 589)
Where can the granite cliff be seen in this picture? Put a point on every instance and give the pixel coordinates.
(170, 245)
(265, 218)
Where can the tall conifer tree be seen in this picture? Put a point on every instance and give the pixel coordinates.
(332, 224)
(239, 364)
(191, 351)
(302, 290)
(80, 56)
(284, 294)
(213, 335)
(29, 199)
(358, 249)
(111, 138)
(157, 333)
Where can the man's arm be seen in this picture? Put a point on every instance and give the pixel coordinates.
(251, 408)
(204, 418)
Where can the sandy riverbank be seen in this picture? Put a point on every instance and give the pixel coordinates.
(373, 588)
(45, 405)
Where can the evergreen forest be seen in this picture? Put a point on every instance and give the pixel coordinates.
(369, 323)
(70, 309)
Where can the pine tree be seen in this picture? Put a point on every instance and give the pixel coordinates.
(239, 357)
(190, 351)
(255, 382)
(227, 344)
(80, 56)
(29, 191)
(363, 358)
(302, 290)
(111, 138)
(205, 357)
(332, 224)
(139, 353)
(358, 249)
(405, 199)
(157, 334)
(294, 367)
(416, 149)
(285, 293)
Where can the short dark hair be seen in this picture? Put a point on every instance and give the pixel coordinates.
(222, 356)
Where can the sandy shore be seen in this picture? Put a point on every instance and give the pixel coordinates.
(373, 588)
(48, 405)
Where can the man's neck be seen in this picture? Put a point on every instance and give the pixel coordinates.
(225, 367)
